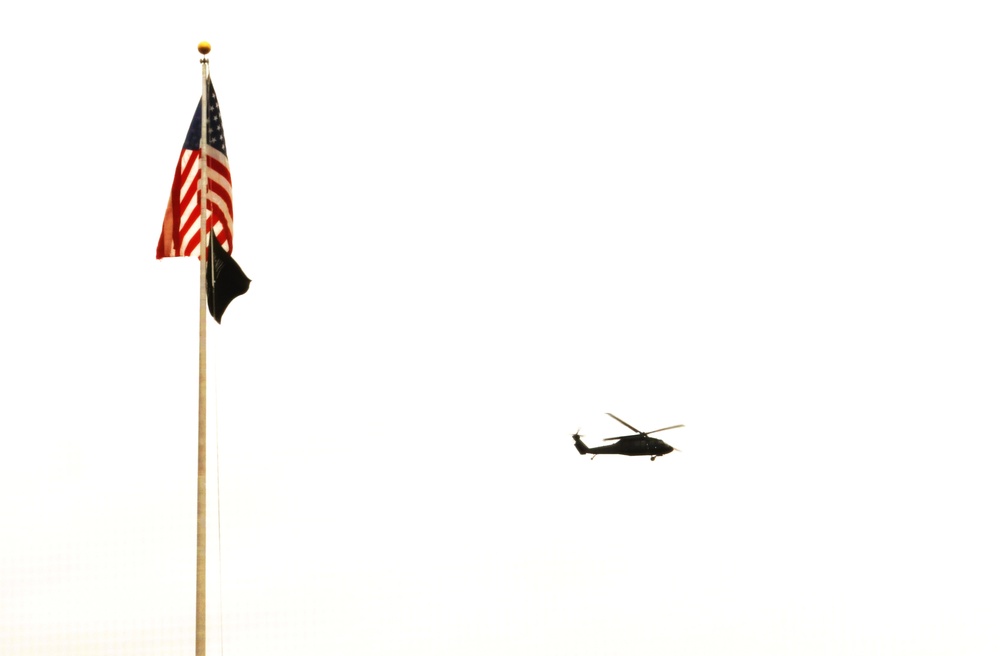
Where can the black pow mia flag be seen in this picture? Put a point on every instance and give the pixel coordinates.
(225, 279)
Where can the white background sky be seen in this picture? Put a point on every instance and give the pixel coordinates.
(472, 229)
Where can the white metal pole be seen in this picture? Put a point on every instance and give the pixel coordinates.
(199, 649)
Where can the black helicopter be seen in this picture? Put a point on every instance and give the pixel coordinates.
(640, 444)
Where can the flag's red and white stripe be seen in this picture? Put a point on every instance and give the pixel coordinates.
(181, 233)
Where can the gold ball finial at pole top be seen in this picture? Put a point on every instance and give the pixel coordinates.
(204, 47)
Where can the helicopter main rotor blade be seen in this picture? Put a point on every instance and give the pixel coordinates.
(667, 428)
(623, 437)
(620, 421)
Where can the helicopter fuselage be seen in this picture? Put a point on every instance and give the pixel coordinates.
(632, 445)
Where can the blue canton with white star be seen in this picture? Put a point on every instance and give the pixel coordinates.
(216, 138)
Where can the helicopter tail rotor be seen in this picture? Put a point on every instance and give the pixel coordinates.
(578, 443)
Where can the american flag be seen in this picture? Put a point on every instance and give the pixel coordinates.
(181, 232)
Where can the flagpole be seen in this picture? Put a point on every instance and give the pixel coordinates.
(199, 639)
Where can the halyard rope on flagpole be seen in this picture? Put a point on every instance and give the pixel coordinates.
(218, 495)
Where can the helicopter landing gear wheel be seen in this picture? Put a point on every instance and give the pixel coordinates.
(653, 458)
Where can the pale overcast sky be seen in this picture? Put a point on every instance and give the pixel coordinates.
(472, 229)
